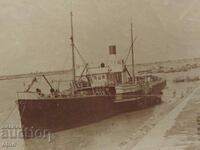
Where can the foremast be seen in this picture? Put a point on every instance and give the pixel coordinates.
(73, 54)
(73, 48)
(132, 52)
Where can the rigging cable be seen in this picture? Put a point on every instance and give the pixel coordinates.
(82, 58)
(132, 44)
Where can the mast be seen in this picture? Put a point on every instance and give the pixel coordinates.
(72, 44)
(133, 69)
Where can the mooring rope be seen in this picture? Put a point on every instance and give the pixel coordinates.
(8, 116)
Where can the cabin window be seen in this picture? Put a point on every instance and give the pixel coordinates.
(95, 77)
(99, 77)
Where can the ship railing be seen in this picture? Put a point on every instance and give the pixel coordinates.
(27, 95)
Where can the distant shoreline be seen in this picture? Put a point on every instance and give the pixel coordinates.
(49, 73)
(168, 61)
(28, 75)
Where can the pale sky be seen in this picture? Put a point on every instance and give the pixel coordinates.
(34, 35)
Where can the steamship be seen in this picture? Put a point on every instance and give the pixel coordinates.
(95, 94)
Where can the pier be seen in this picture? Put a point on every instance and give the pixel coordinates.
(166, 134)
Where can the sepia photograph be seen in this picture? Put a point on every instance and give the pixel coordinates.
(100, 75)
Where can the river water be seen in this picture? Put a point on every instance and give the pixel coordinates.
(120, 132)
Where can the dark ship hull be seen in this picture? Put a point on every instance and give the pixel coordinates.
(51, 115)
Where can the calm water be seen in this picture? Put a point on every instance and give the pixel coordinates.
(91, 137)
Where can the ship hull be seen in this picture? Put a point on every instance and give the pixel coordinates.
(51, 115)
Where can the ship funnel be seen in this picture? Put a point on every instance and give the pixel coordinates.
(112, 55)
(112, 50)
